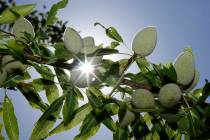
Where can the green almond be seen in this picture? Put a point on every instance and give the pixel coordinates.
(72, 40)
(89, 45)
(128, 118)
(145, 41)
(185, 67)
(22, 25)
(10, 65)
(170, 95)
(142, 99)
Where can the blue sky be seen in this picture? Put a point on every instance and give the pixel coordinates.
(179, 23)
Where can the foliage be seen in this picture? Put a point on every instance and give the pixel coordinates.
(80, 99)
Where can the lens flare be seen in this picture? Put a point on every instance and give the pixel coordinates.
(86, 68)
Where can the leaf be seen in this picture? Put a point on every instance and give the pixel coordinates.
(94, 100)
(183, 123)
(88, 127)
(40, 84)
(91, 133)
(53, 108)
(47, 120)
(10, 120)
(79, 116)
(109, 123)
(69, 106)
(169, 117)
(51, 18)
(9, 16)
(143, 64)
(103, 51)
(1, 136)
(63, 78)
(121, 134)
(205, 93)
(32, 97)
(42, 129)
(113, 34)
(114, 44)
(52, 93)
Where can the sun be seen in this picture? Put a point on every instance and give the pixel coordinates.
(86, 67)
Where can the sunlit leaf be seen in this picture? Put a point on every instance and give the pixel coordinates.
(47, 120)
(79, 116)
(69, 106)
(10, 120)
(8, 16)
(51, 18)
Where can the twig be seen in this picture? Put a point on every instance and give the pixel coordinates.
(135, 85)
(130, 61)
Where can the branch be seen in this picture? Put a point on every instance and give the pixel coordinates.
(135, 85)
(130, 61)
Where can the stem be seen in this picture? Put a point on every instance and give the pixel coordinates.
(130, 61)
(185, 100)
(97, 23)
(135, 85)
(7, 33)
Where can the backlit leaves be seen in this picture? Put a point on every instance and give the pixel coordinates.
(10, 120)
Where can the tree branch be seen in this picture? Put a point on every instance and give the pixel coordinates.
(135, 85)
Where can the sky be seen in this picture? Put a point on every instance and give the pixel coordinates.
(179, 24)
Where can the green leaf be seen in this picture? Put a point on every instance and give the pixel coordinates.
(53, 108)
(41, 129)
(205, 93)
(121, 134)
(51, 18)
(89, 134)
(112, 108)
(114, 44)
(33, 97)
(63, 78)
(94, 100)
(88, 127)
(61, 52)
(169, 117)
(103, 51)
(79, 116)
(113, 34)
(40, 84)
(1, 112)
(9, 16)
(109, 123)
(1, 136)
(52, 93)
(69, 106)
(183, 123)
(10, 120)
(47, 120)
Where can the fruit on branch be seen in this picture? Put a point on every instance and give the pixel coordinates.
(72, 40)
(22, 25)
(127, 118)
(169, 95)
(11, 65)
(145, 41)
(185, 67)
(3, 76)
(89, 45)
(142, 99)
(194, 82)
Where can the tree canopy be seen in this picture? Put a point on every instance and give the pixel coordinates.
(158, 102)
